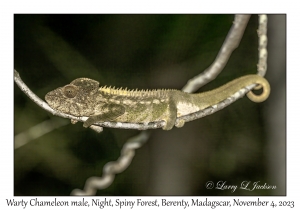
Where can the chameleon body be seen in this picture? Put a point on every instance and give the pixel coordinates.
(84, 97)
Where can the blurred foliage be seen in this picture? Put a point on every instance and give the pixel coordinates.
(135, 51)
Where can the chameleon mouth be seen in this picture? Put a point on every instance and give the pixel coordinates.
(53, 99)
(50, 99)
(58, 102)
(54, 102)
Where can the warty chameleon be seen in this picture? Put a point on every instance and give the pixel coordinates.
(84, 97)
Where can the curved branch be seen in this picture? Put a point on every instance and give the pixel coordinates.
(231, 42)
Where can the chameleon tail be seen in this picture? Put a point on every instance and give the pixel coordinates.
(262, 83)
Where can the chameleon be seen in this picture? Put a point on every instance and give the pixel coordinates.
(84, 97)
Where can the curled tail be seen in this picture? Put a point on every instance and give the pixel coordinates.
(262, 83)
(242, 82)
(209, 98)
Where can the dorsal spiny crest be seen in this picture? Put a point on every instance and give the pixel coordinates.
(134, 93)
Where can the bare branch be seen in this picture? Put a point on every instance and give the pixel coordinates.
(111, 168)
(262, 45)
(153, 125)
(231, 42)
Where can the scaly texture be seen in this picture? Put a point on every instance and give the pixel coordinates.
(83, 97)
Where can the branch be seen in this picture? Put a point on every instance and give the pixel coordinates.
(231, 42)
(262, 45)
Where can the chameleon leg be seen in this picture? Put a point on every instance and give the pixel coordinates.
(110, 112)
(180, 123)
(171, 117)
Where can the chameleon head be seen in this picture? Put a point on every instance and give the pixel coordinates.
(75, 98)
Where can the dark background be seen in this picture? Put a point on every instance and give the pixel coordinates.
(244, 142)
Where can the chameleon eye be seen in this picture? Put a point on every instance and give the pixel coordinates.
(70, 91)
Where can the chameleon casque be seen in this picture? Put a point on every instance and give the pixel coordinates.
(84, 97)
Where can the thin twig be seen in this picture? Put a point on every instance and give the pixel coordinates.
(231, 42)
(262, 45)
